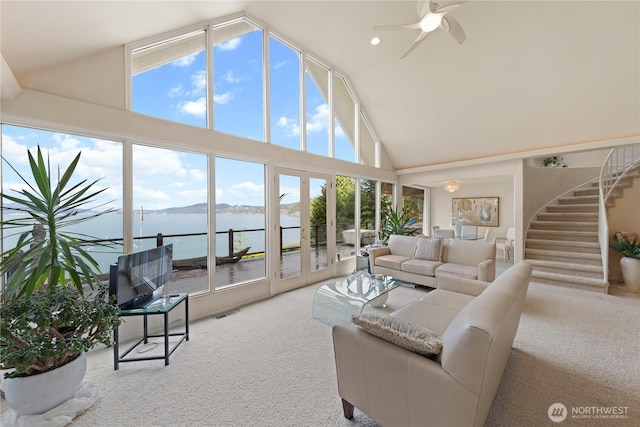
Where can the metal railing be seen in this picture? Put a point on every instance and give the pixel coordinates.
(618, 164)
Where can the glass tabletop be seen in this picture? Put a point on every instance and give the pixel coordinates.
(341, 299)
(161, 305)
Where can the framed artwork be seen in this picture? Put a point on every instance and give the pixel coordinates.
(482, 211)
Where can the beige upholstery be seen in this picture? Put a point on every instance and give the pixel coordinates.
(505, 245)
(466, 258)
(396, 387)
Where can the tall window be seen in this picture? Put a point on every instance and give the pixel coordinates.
(344, 121)
(170, 200)
(284, 93)
(100, 160)
(218, 83)
(169, 80)
(345, 214)
(367, 211)
(237, 77)
(367, 144)
(317, 107)
(413, 205)
(240, 221)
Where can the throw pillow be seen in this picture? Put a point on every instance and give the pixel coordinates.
(429, 248)
(401, 333)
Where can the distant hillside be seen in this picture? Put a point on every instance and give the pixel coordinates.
(201, 208)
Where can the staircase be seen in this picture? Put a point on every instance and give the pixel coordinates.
(562, 242)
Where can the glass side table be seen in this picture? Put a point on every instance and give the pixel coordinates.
(161, 306)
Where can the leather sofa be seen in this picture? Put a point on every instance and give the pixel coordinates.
(474, 259)
(477, 323)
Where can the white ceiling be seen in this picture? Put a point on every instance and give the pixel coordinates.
(531, 75)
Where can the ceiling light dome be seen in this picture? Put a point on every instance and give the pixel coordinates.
(430, 22)
(452, 186)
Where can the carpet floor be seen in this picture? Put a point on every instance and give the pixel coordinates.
(271, 364)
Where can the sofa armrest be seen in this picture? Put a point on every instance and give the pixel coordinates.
(395, 386)
(487, 270)
(463, 285)
(376, 252)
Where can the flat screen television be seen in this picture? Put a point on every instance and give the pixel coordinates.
(137, 279)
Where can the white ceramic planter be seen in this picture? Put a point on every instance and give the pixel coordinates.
(39, 393)
(630, 272)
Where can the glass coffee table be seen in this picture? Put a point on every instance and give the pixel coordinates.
(340, 300)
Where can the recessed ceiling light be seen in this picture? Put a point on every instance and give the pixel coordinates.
(375, 41)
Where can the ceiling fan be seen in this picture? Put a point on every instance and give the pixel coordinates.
(432, 16)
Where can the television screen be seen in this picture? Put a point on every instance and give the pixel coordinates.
(137, 278)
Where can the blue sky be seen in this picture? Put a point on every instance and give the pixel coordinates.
(177, 91)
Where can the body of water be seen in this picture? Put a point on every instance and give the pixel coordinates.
(110, 227)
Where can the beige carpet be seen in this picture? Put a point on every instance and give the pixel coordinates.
(271, 364)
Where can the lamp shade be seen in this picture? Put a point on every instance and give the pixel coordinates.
(452, 186)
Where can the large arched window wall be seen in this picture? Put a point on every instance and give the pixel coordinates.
(237, 76)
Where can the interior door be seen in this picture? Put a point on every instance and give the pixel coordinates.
(302, 229)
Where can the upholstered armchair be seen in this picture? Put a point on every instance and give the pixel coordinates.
(506, 244)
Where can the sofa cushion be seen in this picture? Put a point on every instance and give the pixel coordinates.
(391, 261)
(421, 266)
(429, 248)
(402, 245)
(469, 252)
(470, 271)
(401, 333)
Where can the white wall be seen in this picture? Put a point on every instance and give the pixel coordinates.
(441, 202)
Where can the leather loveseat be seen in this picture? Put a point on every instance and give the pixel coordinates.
(476, 323)
(421, 259)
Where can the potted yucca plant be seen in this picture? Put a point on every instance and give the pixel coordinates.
(54, 307)
(629, 248)
(393, 222)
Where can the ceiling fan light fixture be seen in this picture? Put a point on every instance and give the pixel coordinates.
(430, 22)
(452, 186)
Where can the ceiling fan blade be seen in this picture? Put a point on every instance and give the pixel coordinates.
(415, 44)
(448, 8)
(411, 26)
(424, 7)
(454, 28)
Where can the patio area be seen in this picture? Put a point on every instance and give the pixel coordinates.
(197, 280)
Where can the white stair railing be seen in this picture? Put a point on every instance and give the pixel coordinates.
(619, 162)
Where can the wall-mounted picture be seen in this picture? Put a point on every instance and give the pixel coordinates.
(482, 211)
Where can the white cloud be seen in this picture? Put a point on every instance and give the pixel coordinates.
(231, 44)
(195, 194)
(199, 81)
(197, 108)
(197, 174)
(319, 120)
(289, 126)
(175, 91)
(222, 98)
(280, 64)
(245, 191)
(230, 78)
(185, 61)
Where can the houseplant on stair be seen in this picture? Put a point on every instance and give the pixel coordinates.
(54, 306)
(629, 247)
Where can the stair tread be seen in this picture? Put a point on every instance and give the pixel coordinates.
(564, 243)
(564, 254)
(565, 265)
(564, 232)
(567, 278)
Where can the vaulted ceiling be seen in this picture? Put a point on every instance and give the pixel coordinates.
(530, 75)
